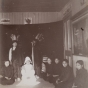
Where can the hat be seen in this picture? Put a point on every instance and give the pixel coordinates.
(27, 59)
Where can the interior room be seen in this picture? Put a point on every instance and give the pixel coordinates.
(36, 33)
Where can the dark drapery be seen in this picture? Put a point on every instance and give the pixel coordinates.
(51, 46)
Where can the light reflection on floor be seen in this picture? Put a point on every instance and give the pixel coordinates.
(28, 82)
(40, 83)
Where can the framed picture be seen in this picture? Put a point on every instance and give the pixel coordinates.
(80, 36)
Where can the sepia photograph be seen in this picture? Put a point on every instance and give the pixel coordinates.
(43, 43)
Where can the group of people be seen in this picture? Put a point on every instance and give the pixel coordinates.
(61, 74)
(7, 76)
(17, 67)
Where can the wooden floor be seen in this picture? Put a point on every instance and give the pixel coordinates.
(40, 83)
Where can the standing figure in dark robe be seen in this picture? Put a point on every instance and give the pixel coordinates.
(37, 58)
(7, 74)
(38, 54)
(16, 59)
(66, 78)
(81, 79)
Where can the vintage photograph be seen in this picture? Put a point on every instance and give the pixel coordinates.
(43, 43)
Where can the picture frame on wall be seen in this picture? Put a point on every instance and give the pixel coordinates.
(80, 36)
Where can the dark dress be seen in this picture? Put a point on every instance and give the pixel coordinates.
(17, 62)
(49, 71)
(66, 78)
(56, 71)
(7, 72)
(81, 80)
(37, 58)
(43, 72)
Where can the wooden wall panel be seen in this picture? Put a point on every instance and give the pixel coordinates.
(37, 17)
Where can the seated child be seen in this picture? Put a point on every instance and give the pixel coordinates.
(66, 78)
(81, 79)
(28, 70)
(7, 76)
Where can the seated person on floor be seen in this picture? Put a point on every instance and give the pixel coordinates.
(56, 69)
(49, 70)
(6, 74)
(66, 78)
(27, 69)
(81, 79)
(43, 71)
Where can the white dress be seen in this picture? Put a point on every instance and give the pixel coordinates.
(28, 74)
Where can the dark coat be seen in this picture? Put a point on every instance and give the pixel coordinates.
(7, 72)
(67, 74)
(49, 69)
(17, 55)
(57, 69)
(81, 79)
(66, 78)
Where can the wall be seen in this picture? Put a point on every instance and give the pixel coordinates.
(51, 46)
(74, 6)
(77, 5)
(69, 10)
(37, 17)
(66, 13)
(81, 22)
(67, 41)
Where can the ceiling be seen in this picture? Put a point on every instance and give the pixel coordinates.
(32, 5)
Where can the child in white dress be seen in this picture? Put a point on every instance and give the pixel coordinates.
(28, 73)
